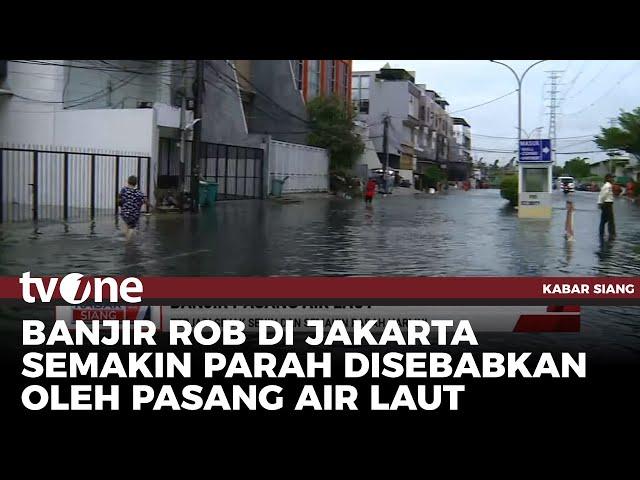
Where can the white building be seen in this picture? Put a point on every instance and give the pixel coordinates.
(419, 126)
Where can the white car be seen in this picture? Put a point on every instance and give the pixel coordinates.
(567, 184)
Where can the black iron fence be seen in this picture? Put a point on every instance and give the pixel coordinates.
(238, 170)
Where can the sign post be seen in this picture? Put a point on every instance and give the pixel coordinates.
(534, 179)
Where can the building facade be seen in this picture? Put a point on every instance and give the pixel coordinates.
(275, 93)
(460, 163)
(419, 127)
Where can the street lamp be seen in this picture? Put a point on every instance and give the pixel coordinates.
(531, 133)
(519, 80)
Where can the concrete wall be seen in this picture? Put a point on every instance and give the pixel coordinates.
(388, 98)
(307, 168)
(223, 119)
(274, 78)
(105, 87)
(129, 129)
(28, 122)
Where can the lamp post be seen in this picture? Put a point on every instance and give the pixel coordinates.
(531, 133)
(531, 204)
(519, 79)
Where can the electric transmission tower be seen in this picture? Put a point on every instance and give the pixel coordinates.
(553, 106)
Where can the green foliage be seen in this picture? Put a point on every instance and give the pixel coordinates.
(509, 189)
(332, 128)
(626, 137)
(593, 178)
(577, 168)
(432, 176)
(557, 171)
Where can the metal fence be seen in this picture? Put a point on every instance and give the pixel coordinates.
(63, 183)
(306, 168)
(238, 170)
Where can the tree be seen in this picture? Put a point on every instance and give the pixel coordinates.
(432, 176)
(557, 171)
(509, 189)
(626, 137)
(332, 128)
(577, 167)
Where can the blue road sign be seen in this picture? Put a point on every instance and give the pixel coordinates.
(535, 150)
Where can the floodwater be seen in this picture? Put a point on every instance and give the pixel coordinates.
(458, 233)
(454, 234)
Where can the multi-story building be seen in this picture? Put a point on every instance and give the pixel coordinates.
(460, 162)
(435, 131)
(389, 95)
(116, 104)
(275, 93)
(419, 126)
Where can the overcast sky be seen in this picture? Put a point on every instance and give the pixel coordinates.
(592, 92)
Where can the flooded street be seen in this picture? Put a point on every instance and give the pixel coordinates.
(459, 233)
(454, 234)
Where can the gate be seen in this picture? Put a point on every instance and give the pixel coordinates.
(238, 170)
(57, 183)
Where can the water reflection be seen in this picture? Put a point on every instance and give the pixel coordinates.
(459, 233)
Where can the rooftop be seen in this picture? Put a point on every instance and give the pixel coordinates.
(460, 121)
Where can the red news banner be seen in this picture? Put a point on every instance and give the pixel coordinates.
(558, 299)
(371, 289)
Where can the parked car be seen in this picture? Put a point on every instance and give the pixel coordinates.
(405, 183)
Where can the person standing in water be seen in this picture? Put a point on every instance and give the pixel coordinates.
(131, 201)
(568, 227)
(370, 191)
(605, 203)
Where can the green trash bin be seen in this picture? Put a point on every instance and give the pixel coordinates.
(212, 193)
(203, 193)
(277, 185)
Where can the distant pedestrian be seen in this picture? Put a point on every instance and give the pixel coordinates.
(370, 190)
(605, 202)
(131, 201)
(568, 226)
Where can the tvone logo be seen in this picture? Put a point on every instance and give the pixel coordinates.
(70, 286)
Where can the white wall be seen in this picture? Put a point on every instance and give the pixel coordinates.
(25, 121)
(129, 130)
(307, 167)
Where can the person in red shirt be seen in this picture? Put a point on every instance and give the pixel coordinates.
(370, 190)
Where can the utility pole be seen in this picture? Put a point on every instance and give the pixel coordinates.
(553, 106)
(386, 151)
(183, 128)
(198, 87)
(613, 122)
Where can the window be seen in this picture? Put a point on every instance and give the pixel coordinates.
(313, 87)
(413, 106)
(535, 180)
(297, 72)
(360, 93)
(331, 75)
(345, 79)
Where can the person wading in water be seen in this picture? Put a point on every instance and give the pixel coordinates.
(131, 201)
(605, 203)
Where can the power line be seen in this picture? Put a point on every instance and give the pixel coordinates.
(591, 81)
(96, 68)
(515, 138)
(485, 103)
(258, 91)
(622, 79)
